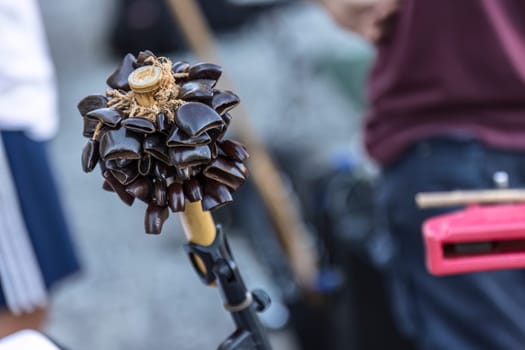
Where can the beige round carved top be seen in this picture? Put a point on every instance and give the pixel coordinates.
(145, 79)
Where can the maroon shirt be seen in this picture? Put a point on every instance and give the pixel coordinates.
(449, 66)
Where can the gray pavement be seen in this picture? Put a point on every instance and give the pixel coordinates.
(138, 291)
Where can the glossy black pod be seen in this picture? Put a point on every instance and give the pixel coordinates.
(145, 164)
(194, 118)
(224, 101)
(107, 116)
(125, 175)
(120, 143)
(160, 192)
(119, 78)
(139, 125)
(176, 198)
(180, 67)
(155, 144)
(141, 188)
(91, 102)
(193, 190)
(163, 170)
(215, 195)
(155, 218)
(107, 187)
(89, 127)
(118, 188)
(90, 156)
(205, 71)
(183, 157)
(162, 123)
(226, 172)
(197, 90)
(234, 150)
(142, 57)
(178, 138)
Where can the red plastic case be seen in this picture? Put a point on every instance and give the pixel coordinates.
(479, 238)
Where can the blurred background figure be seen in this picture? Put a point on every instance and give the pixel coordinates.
(148, 23)
(36, 250)
(447, 100)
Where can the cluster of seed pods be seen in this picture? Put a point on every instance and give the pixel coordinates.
(163, 161)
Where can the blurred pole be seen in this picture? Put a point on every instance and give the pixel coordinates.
(284, 214)
(454, 198)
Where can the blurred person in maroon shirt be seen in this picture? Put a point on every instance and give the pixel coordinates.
(447, 111)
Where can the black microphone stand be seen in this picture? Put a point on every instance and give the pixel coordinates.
(220, 269)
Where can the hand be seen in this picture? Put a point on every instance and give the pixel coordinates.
(369, 18)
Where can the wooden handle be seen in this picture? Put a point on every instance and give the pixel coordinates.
(198, 224)
(453, 198)
(285, 216)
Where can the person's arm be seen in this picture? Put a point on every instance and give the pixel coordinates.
(368, 18)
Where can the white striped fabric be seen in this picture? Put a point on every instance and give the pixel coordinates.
(22, 281)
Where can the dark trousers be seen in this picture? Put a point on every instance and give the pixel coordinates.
(470, 311)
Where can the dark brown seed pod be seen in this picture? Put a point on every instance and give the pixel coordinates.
(145, 164)
(176, 199)
(119, 189)
(197, 90)
(101, 131)
(141, 188)
(217, 134)
(139, 125)
(155, 144)
(155, 218)
(180, 67)
(119, 78)
(214, 150)
(210, 203)
(107, 116)
(205, 71)
(121, 163)
(224, 101)
(160, 192)
(90, 156)
(183, 174)
(227, 118)
(125, 175)
(142, 57)
(162, 170)
(195, 118)
(193, 190)
(89, 128)
(178, 138)
(225, 172)
(184, 157)
(115, 164)
(163, 125)
(242, 168)
(91, 102)
(215, 195)
(107, 187)
(234, 150)
(120, 143)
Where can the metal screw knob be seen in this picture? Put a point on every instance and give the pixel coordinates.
(262, 300)
(501, 179)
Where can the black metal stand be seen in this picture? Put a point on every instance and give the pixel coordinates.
(220, 268)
